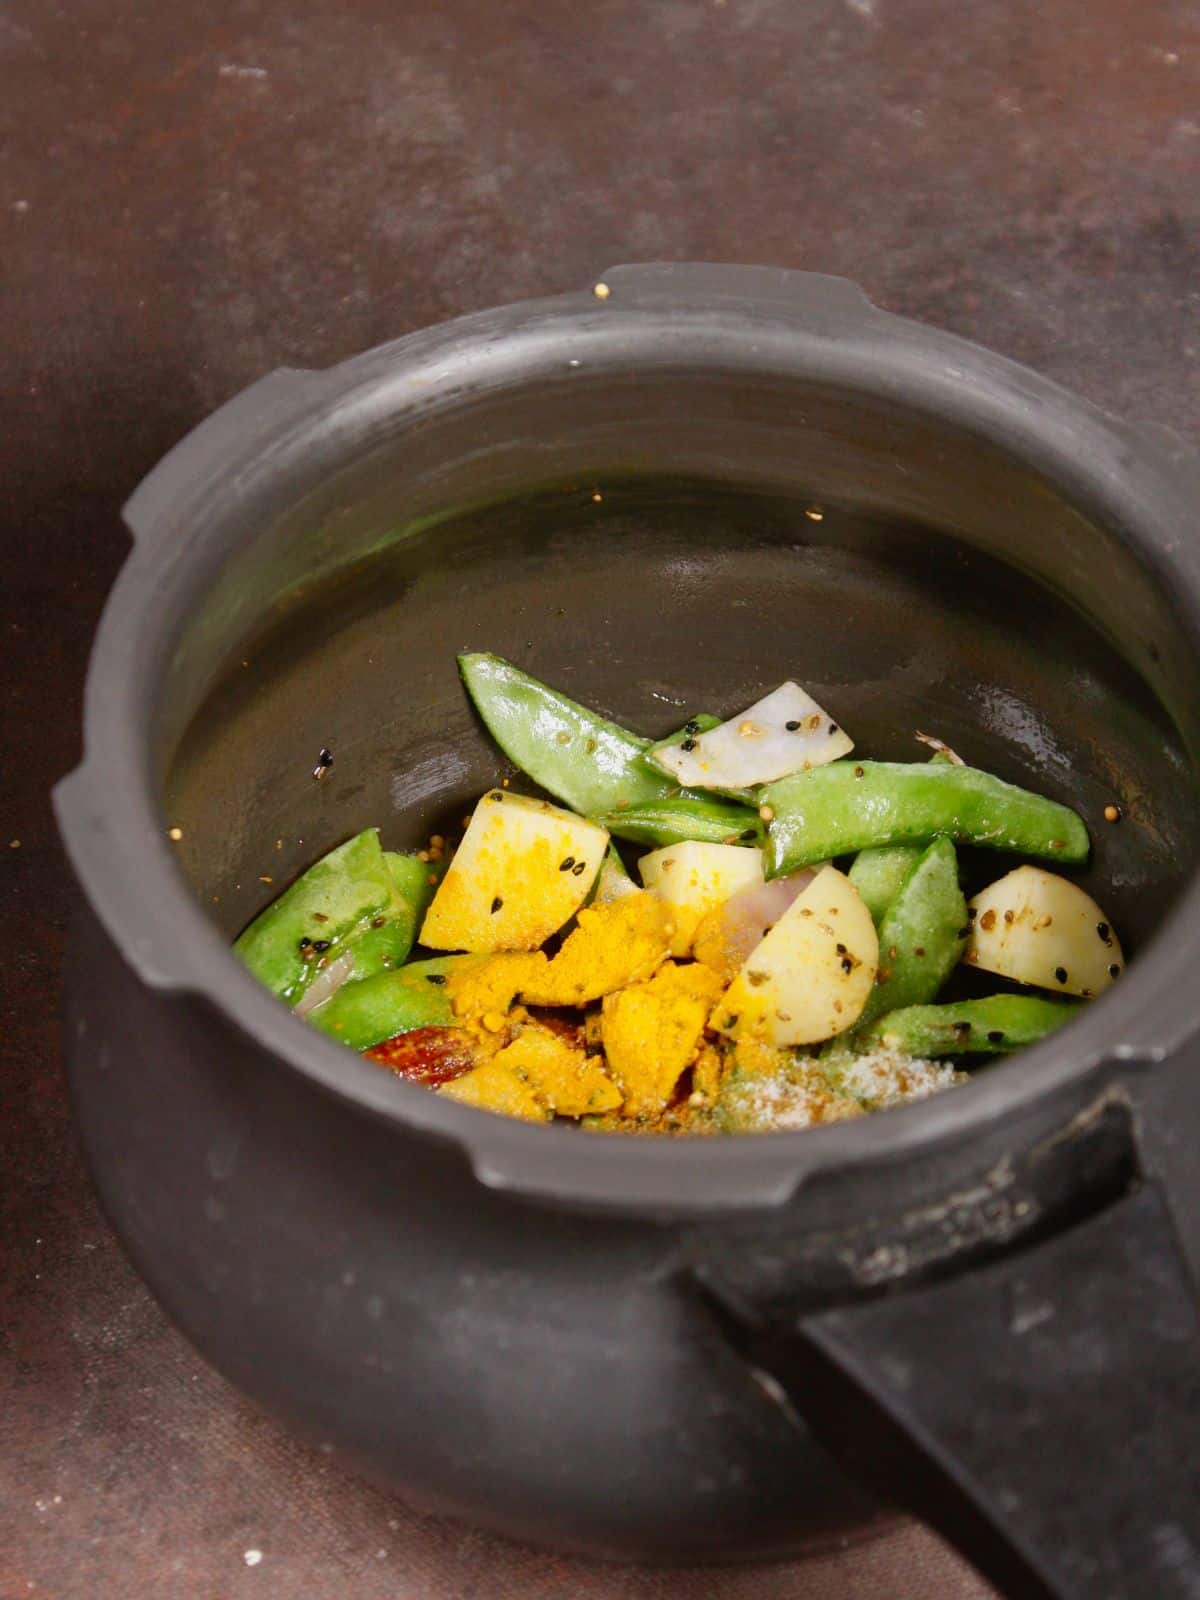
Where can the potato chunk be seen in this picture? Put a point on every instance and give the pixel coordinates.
(1038, 928)
(560, 1074)
(613, 945)
(497, 1086)
(694, 878)
(652, 1031)
(810, 977)
(523, 868)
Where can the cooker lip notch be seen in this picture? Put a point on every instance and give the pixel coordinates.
(116, 834)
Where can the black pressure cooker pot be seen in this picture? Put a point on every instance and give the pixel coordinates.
(707, 479)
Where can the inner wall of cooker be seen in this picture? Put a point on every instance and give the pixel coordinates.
(893, 576)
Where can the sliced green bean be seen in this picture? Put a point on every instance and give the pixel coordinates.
(589, 763)
(684, 816)
(993, 1026)
(921, 936)
(365, 1013)
(336, 897)
(879, 875)
(857, 805)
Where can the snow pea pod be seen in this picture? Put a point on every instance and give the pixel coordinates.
(589, 763)
(879, 875)
(338, 896)
(390, 935)
(856, 805)
(921, 935)
(973, 1027)
(684, 816)
(365, 1013)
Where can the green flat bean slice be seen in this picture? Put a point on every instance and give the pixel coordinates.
(338, 895)
(857, 805)
(880, 874)
(365, 1013)
(921, 936)
(993, 1026)
(679, 817)
(589, 763)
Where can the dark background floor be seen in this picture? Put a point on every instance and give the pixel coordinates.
(191, 195)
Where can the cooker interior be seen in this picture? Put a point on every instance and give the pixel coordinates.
(654, 548)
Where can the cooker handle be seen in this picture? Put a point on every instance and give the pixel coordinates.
(1043, 1412)
(818, 295)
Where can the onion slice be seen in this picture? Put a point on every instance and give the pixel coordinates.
(784, 732)
(326, 984)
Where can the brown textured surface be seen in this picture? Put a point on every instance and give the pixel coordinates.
(190, 196)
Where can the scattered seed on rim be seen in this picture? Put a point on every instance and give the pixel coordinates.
(688, 744)
(995, 1036)
(1104, 931)
(858, 772)
(1112, 813)
(691, 727)
(1114, 970)
(1061, 974)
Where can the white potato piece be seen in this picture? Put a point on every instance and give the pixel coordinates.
(694, 878)
(1039, 928)
(524, 868)
(784, 732)
(810, 977)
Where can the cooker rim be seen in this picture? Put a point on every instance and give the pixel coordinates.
(112, 818)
